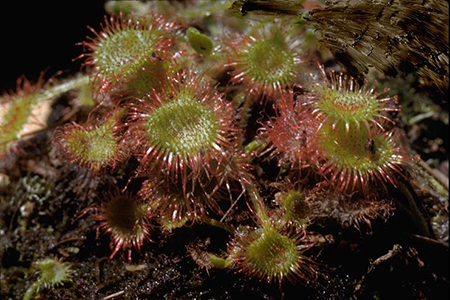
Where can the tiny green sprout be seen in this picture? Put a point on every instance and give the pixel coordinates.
(219, 262)
(52, 272)
(169, 224)
(135, 268)
(205, 259)
(295, 207)
(201, 43)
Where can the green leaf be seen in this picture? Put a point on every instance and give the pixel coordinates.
(200, 42)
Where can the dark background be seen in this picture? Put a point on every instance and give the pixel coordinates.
(41, 36)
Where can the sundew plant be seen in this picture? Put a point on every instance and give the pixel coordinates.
(227, 149)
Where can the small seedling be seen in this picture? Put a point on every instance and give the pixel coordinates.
(52, 273)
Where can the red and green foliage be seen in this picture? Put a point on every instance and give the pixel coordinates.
(127, 54)
(125, 218)
(94, 147)
(174, 138)
(268, 59)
